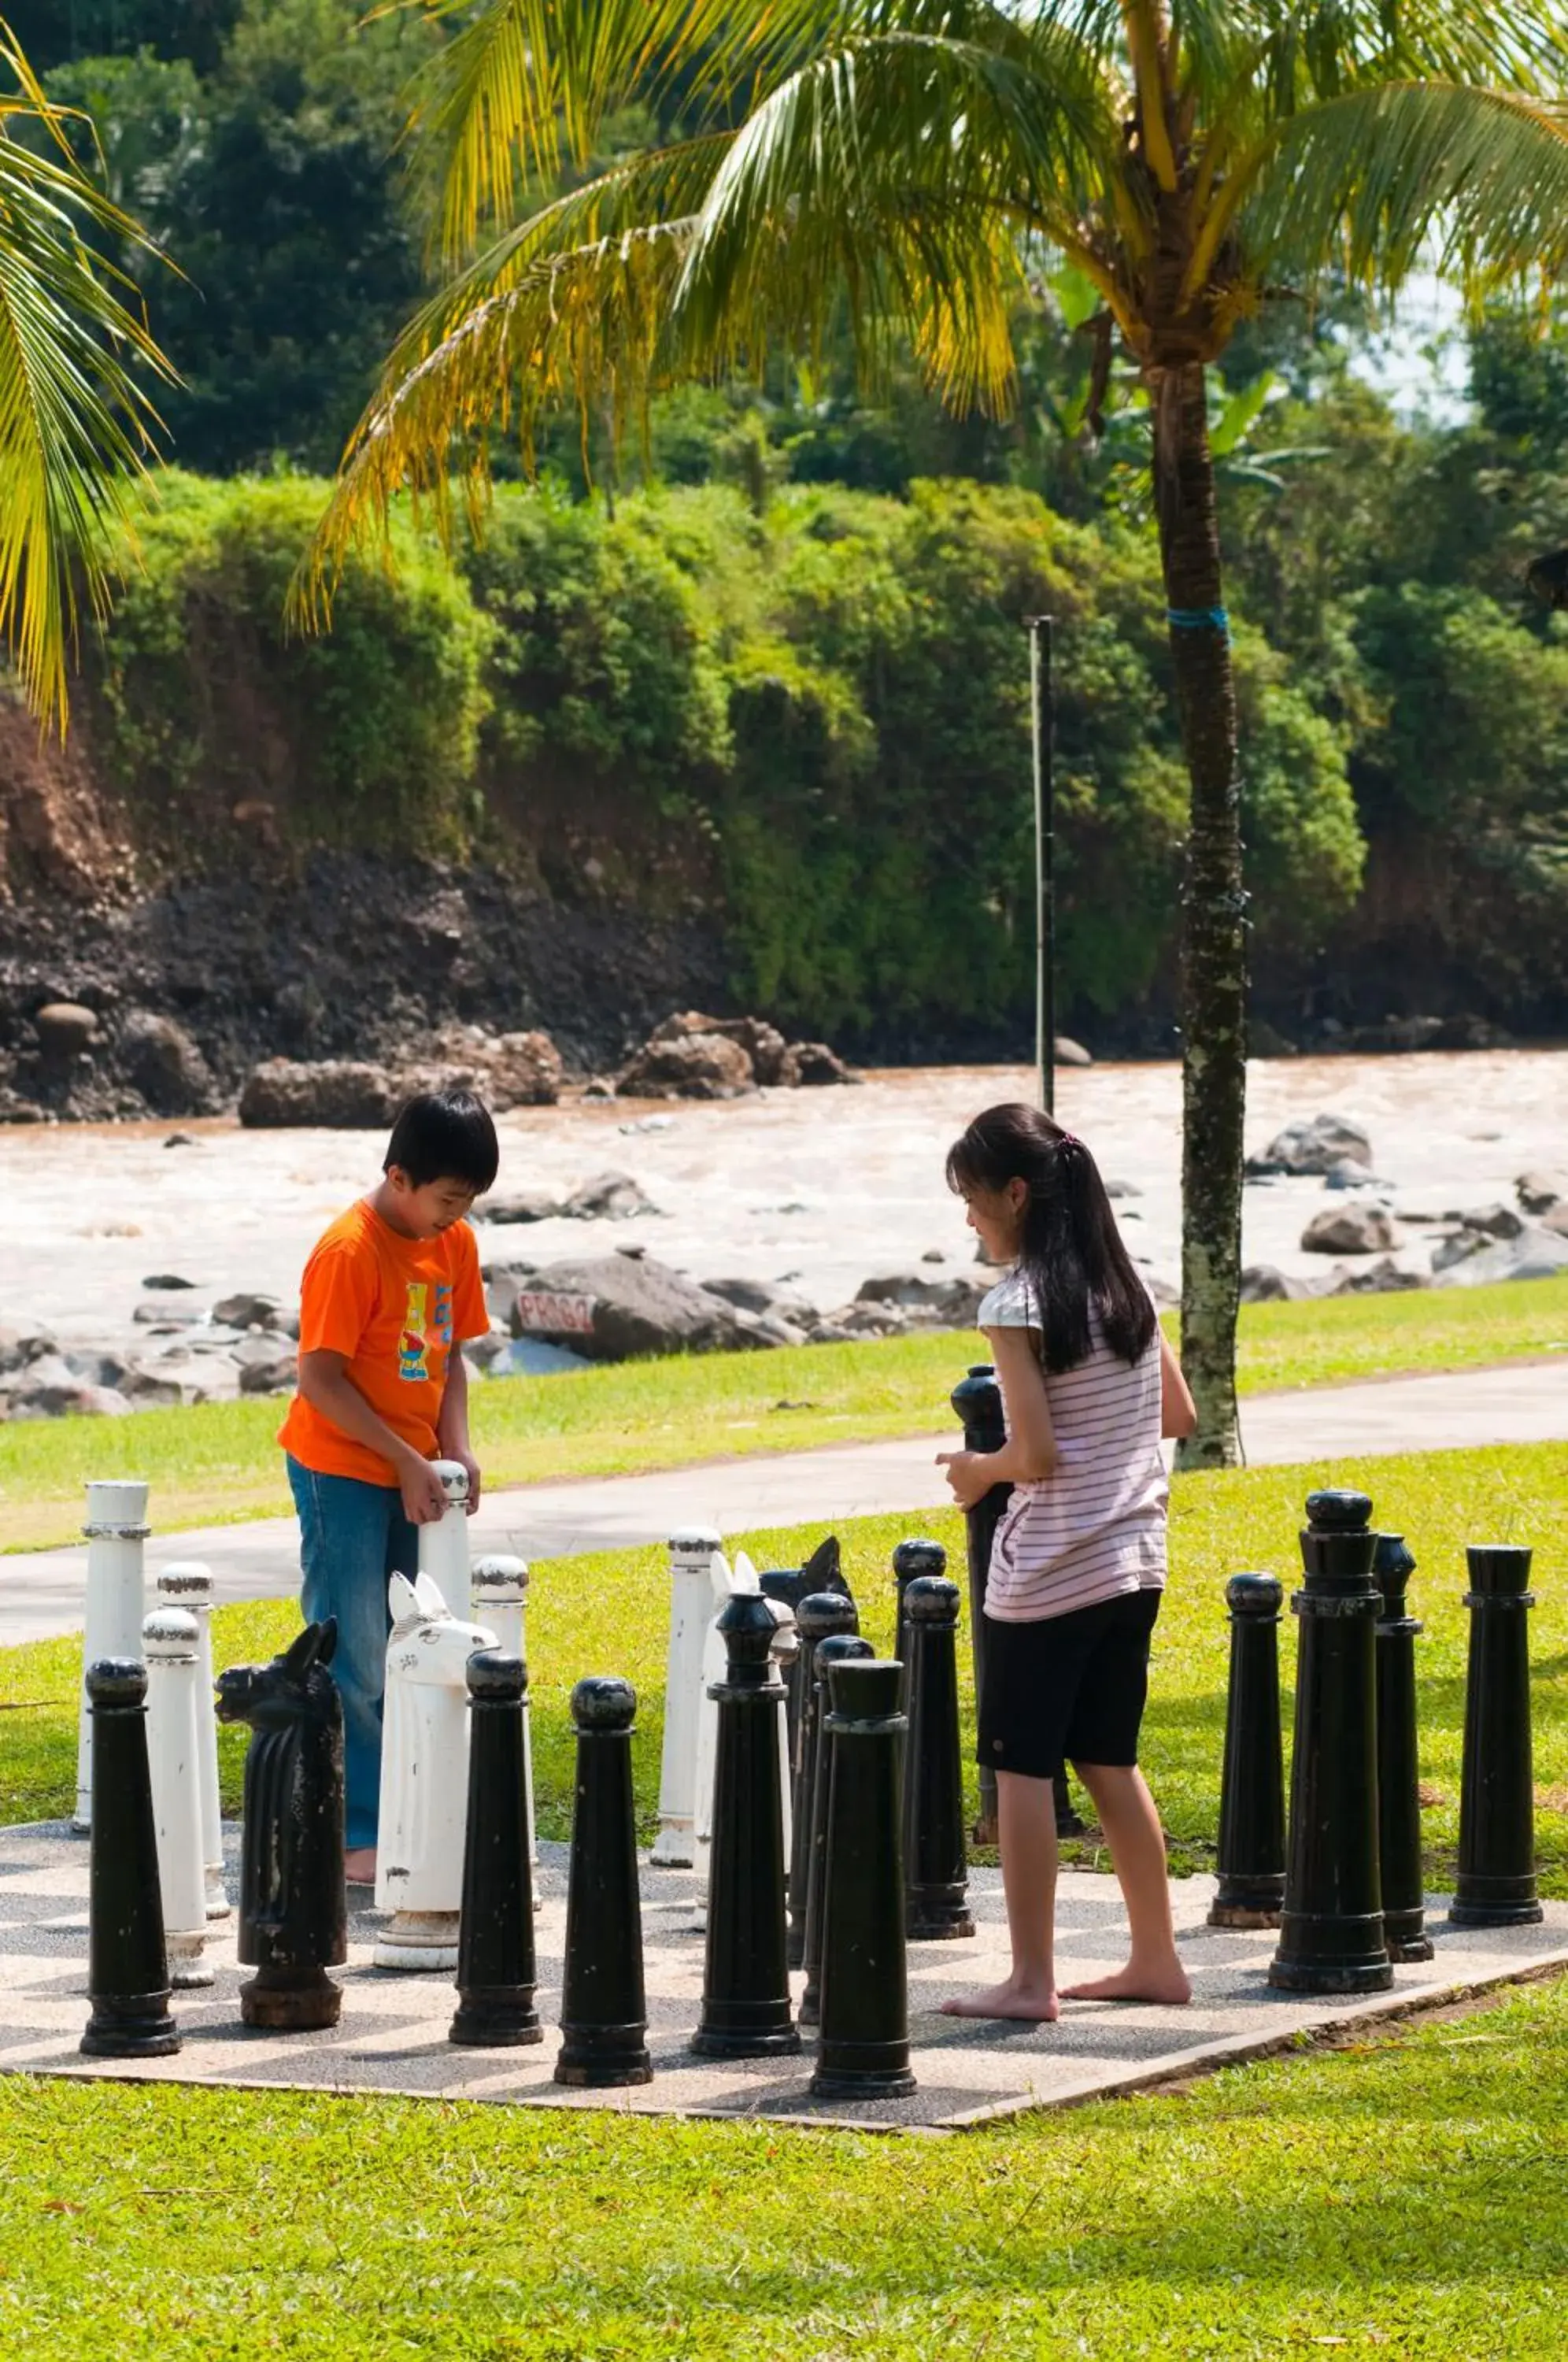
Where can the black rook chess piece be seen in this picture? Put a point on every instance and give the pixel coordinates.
(864, 2052)
(495, 1938)
(293, 1912)
(127, 1974)
(1330, 1928)
(603, 2008)
(746, 1980)
(1250, 1864)
(911, 1559)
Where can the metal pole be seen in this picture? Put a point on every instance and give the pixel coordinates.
(1042, 718)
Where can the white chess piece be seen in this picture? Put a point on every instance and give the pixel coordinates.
(726, 1582)
(424, 1776)
(186, 1582)
(115, 1531)
(169, 1640)
(444, 1545)
(693, 1550)
(500, 1594)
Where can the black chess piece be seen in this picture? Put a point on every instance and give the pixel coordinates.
(495, 1930)
(128, 1973)
(294, 1908)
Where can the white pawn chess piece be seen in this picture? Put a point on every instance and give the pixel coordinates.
(425, 1777)
(444, 1545)
(168, 1640)
(186, 1582)
(693, 1550)
(726, 1582)
(115, 1531)
(501, 1594)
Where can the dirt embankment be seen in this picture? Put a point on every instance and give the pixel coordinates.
(253, 947)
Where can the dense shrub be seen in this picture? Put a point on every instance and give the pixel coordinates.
(204, 698)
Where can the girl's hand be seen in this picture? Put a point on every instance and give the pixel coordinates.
(968, 1474)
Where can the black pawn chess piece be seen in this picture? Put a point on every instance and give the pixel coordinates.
(1330, 1926)
(1398, 1779)
(746, 1980)
(1250, 1865)
(835, 1649)
(863, 2048)
(912, 1560)
(496, 1973)
(1496, 1886)
(293, 1909)
(936, 1862)
(603, 2006)
(821, 1616)
(127, 1974)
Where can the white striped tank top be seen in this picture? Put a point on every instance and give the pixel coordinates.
(1097, 1528)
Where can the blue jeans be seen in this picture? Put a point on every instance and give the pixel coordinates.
(353, 1536)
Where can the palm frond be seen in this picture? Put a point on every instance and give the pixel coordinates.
(1377, 181)
(896, 166)
(523, 87)
(74, 422)
(576, 302)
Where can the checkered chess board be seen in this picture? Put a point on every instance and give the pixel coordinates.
(394, 2035)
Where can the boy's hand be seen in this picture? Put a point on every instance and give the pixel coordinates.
(423, 1499)
(465, 1458)
(967, 1476)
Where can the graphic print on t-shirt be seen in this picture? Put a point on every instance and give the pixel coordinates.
(444, 1311)
(411, 1362)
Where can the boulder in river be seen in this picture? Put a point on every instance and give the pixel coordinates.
(1355, 1229)
(688, 1066)
(345, 1094)
(612, 1307)
(1314, 1144)
(1539, 1192)
(1538, 1253)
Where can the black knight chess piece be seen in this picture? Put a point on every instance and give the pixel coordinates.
(292, 1906)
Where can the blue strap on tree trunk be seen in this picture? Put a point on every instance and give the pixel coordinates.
(1197, 619)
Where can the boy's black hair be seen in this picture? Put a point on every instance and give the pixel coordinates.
(445, 1136)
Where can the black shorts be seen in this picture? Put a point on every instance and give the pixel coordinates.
(1070, 1689)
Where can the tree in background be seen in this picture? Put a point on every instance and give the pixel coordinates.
(74, 423)
(908, 158)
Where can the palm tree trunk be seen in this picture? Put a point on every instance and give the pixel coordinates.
(1214, 980)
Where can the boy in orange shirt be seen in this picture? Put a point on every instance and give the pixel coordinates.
(389, 1296)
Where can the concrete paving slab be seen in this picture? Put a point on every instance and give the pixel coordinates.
(41, 1592)
(394, 2035)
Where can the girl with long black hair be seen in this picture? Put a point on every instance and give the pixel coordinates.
(1089, 1387)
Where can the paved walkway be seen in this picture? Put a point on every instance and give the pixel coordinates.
(393, 2032)
(1524, 1402)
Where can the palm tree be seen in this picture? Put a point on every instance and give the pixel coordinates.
(904, 159)
(74, 422)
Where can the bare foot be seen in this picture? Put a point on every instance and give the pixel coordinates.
(360, 1866)
(1167, 1984)
(1036, 2005)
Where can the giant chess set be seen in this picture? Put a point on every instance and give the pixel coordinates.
(808, 1903)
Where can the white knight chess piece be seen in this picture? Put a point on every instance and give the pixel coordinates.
(424, 1776)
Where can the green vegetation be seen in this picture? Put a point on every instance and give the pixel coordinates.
(789, 694)
(1405, 2193)
(1404, 2196)
(219, 1462)
(611, 1612)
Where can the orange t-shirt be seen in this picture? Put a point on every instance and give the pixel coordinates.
(396, 1306)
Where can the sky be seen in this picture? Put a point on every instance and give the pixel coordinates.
(1420, 363)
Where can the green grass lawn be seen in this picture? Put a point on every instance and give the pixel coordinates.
(609, 1614)
(1408, 2197)
(219, 1462)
